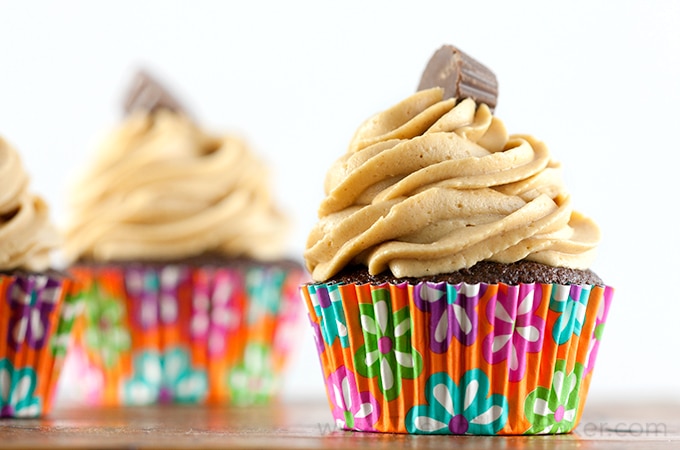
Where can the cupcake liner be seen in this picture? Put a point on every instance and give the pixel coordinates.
(182, 334)
(439, 358)
(37, 314)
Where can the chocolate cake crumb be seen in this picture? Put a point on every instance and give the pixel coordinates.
(207, 259)
(483, 272)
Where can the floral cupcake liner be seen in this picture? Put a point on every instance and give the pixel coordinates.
(36, 319)
(439, 358)
(181, 334)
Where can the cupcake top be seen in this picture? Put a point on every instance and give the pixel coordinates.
(161, 188)
(27, 237)
(436, 184)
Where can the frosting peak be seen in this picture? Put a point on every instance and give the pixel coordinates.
(163, 189)
(433, 185)
(27, 237)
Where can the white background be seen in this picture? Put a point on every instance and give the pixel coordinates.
(598, 81)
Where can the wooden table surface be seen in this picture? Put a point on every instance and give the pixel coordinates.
(310, 425)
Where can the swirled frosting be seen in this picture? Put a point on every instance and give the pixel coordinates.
(432, 186)
(27, 237)
(163, 189)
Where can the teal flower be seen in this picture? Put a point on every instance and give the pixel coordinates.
(253, 381)
(570, 302)
(264, 292)
(466, 408)
(327, 302)
(387, 352)
(554, 410)
(164, 378)
(17, 388)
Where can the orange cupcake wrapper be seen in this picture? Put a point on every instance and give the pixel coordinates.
(37, 313)
(438, 358)
(183, 334)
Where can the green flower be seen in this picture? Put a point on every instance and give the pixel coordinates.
(571, 302)
(73, 306)
(554, 410)
(253, 380)
(17, 387)
(387, 352)
(105, 331)
(165, 378)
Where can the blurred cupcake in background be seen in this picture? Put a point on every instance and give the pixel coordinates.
(36, 310)
(179, 249)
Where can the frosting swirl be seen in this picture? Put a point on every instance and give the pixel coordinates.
(433, 186)
(27, 237)
(162, 189)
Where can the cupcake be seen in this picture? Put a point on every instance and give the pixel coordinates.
(179, 248)
(451, 286)
(36, 312)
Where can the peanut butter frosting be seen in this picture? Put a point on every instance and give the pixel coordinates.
(27, 237)
(434, 185)
(163, 189)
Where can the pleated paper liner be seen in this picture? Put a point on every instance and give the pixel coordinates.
(36, 317)
(182, 334)
(438, 358)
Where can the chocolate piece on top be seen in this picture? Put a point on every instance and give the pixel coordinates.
(461, 77)
(147, 94)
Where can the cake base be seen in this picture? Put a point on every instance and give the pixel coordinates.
(483, 272)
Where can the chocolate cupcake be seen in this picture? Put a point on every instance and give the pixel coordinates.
(452, 290)
(178, 246)
(36, 310)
